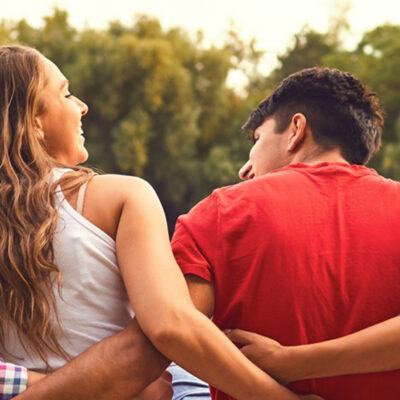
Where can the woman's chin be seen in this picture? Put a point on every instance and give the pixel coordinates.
(83, 155)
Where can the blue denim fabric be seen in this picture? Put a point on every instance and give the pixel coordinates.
(186, 386)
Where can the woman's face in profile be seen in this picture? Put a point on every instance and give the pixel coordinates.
(60, 123)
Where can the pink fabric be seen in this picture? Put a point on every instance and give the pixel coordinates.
(13, 380)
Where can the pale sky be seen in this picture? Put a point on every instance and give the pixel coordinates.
(271, 22)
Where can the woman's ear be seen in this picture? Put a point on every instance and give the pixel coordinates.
(297, 131)
(39, 128)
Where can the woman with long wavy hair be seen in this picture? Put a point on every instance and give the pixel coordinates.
(79, 251)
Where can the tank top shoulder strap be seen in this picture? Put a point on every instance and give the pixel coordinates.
(81, 198)
(55, 175)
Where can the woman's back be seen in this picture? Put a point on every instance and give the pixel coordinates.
(93, 302)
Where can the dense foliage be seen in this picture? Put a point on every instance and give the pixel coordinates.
(160, 106)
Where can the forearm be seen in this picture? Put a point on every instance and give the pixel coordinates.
(373, 349)
(161, 300)
(118, 367)
(200, 347)
(34, 377)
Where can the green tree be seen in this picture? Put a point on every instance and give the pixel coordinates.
(376, 61)
(159, 102)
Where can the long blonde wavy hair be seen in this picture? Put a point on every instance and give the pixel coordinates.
(28, 213)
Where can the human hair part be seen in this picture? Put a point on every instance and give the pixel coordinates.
(28, 210)
(341, 111)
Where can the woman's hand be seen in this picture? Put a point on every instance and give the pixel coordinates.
(267, 354)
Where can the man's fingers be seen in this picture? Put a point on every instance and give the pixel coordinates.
(241, 336)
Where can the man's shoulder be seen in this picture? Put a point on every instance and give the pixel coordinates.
(235, 191)
(253, 186)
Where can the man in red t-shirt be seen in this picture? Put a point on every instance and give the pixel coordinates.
(307, 251)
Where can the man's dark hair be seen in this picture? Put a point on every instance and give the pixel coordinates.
(340, 110)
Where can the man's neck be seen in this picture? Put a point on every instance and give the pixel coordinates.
(316, 157)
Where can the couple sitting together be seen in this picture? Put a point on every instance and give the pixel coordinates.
(297, 265)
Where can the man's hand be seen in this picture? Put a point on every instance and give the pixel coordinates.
(160, 389)
(266, 353)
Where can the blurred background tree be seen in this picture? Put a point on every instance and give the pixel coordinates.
(160, 106)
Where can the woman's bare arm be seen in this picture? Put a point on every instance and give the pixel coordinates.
(163, 307)
(373, 349)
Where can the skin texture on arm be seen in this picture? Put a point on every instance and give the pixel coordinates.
(160, 389)
(34, 377)
(118, 367)
(373, 349)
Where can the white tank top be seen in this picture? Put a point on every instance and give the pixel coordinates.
(93, 303)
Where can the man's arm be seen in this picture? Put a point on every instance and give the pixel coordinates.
(14, 379)
(118, 367)
(34, 377)
(373, 349)
(202, 294)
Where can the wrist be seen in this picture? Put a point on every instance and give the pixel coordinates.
(317, 360)
(34, 377)
(267, 387)
(299, 360)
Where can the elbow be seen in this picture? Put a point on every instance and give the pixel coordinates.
(172, 331)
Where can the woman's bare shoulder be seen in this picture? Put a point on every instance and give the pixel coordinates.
(118, 187)
(106, 196)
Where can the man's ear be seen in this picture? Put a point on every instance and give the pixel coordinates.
(297, 131)
(39, 128)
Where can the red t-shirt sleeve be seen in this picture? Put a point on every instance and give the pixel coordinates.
(195, 241)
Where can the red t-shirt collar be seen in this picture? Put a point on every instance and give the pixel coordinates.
(326, 164)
